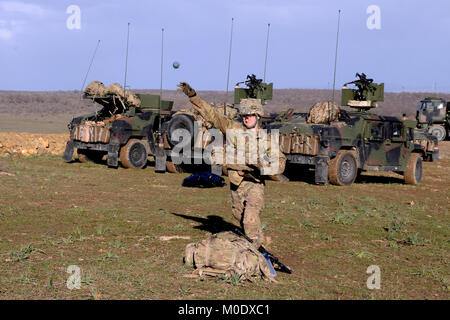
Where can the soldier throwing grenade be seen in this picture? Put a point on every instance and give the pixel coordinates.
(246, 180)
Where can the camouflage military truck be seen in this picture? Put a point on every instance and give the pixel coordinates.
(340, 143)
(126, 127)
(433, 115)
(184, 119)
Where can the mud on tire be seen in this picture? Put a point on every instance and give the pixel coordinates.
(413, 172)
(133, 154)
(343, 169)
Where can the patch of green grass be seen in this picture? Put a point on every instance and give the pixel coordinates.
(184, 291)
(101, 230)
(327, 237)
(264, 225)
(314, 235)
(78, 236)
(421, 272)
(414, 240)
(313, 205)
(24, 253)
(26, 278)
(397, 225)
(108, 256)
(343, 217)
(307, 223)
(116, 244)
(361, 254)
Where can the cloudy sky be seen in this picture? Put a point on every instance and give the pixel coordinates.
(45, 45)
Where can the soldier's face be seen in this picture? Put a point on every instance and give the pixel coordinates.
(250, 121)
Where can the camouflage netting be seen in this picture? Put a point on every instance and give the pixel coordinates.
(228, 255)
(130, 98)
(97, 88)
(323, 112)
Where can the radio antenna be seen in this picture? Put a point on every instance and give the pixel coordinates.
(89, 69)
(267, 48)
(336, 53)
(228, 73)
(126, 61)
(161, 77)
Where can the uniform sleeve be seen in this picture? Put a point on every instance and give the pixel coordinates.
(210, 115)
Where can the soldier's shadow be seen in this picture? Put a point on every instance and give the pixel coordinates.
(211, 223)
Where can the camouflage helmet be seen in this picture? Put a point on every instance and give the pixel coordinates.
(251, 107)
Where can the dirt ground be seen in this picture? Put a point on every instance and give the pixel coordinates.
(111, 224)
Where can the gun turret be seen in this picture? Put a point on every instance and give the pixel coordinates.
(256, 89)
(365, 96)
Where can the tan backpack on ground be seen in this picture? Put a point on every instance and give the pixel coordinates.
(227, 255)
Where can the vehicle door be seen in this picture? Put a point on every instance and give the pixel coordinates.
(394, 144)
(374, 144)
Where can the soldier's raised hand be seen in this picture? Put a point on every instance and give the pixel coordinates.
(186, 88)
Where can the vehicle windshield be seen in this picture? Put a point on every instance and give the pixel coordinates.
(426, 105)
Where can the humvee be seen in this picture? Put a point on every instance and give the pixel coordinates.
(119, 130)
(185, 119)
(433, 115)
(357, 140)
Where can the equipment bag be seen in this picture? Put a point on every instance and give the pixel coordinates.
(203, 180)
(227, 255)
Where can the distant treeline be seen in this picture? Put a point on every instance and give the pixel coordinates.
(69, 102)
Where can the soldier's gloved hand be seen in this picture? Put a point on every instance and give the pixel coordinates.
(186, 88)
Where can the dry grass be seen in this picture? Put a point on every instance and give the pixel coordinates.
(109, 223)
(54, 109)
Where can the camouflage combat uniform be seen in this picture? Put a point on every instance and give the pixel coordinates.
(246, 181)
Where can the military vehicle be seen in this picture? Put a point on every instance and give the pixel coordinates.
(126, 127)
(433, 115)
(350, 141)
(185, 119)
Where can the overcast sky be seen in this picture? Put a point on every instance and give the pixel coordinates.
(42, 47)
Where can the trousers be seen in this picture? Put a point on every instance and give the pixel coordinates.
(247, 204)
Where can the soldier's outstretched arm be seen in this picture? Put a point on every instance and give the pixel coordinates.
(205, 109)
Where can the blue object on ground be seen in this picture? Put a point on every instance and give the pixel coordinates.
(203, 180)
(273, 273)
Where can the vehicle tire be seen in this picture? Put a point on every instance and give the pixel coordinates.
(343, 169)
(133, 154)
(180, 121)
(89, 155)
(173, 168)
(438, 131)
(413, 172)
